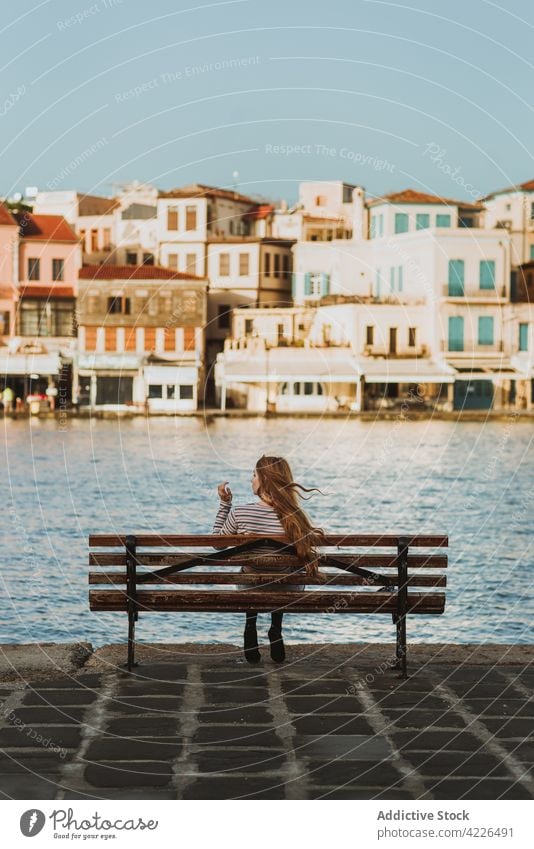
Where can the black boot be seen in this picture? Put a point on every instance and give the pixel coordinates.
(278, 652)
(252, 652)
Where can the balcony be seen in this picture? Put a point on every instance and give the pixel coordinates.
(472, 293)
(402, 351)
(471, 347)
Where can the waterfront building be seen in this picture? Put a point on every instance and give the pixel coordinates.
(9, 255)
(140, 339)
(512, 210)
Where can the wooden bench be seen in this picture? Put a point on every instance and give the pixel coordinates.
(178, 578)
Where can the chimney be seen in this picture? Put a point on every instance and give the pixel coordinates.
(359, 214)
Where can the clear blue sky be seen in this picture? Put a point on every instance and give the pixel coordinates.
(381, 94)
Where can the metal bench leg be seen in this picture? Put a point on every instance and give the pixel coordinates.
(131, 572)
(402, 605)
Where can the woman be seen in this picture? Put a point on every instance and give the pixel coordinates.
(276, 512)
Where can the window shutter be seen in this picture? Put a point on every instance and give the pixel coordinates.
(325, 288)
(400, 281)
(485, 330)
(456, 277)
(307, 283)
(487, 274)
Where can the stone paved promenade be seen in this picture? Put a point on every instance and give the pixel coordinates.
(332, 723)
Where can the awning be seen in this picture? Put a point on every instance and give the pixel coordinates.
(327, 365)
(416, 370)
(505, 370)
(41, 364)
(109, 362)
(170, 374)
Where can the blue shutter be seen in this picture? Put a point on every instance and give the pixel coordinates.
(532, 251)
(307, 283)
(523, 337)
(325, 284)
(400, 281)
(392, 279)
(377, 284)
(422, 221)
(443, 220)
(456, 277)
(485, 330)
(487, 274)
(401, 222)
(456, 333)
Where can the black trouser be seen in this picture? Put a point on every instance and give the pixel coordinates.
(276, 619)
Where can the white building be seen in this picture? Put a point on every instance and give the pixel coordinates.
(512, 209)
(326, 210)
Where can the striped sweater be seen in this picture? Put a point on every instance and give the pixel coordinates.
(255, 518)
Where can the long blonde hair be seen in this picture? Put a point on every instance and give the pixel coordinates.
(277, 485)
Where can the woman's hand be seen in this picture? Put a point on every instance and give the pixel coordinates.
(225, 493)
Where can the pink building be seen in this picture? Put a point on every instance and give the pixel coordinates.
(8, 273)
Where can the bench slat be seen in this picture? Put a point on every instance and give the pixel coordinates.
(338, 579)
(157, 540)
(381, 561)
(207, 601)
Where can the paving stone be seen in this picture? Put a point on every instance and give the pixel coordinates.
(46, 715)
(234, 788)
(456, 764)
(432, 741)
(251, 736)
(235, 696)
(110, 749)
(150, 688)
(28, 787)
(255, 715)
(523, 751)
(338, 772)
(349, 747)
(321, 704)
(332, 724)
(118, 774)
(419, 719)
(235, 677)
(465, 788)
(130, 793)
(156, 705)
(317, 687)
(90, 680)
(61, 696)
(66, 737)
(421, 701)
(491, 690)
(34, 763)
(173, 672)
(518, 728)
(240, 760)
(142, 726)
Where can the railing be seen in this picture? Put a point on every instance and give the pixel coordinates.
(402, 351)
(469, 346)
(470, 293)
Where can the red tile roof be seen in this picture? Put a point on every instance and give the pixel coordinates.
(528, 186)
(411, 196)
(46, 292)
(45, 228)
(5, 216)
(132, 272)
(197, 190)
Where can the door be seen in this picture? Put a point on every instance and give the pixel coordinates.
(456, 277)
(392, 340)
(456, 333)
(114, 390)
(473, 395)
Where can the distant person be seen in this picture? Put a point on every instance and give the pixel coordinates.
(275, 512)
(7, 400)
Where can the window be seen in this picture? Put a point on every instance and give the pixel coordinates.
(118, 305)
(131, 258)
(172, 260)
(531, 210)
(223, 319)
(243, 265)
(523, 337)
(280, 332)
(308, 389)
(186, 392)
(532, 252)
(4, 323)
(412, 336)
(47, 318)
(321, 200)
(148, 259)
(464, 221)
(370, 334)
(391, 279)
(267, 264)
(172, 218)
(191, 263)
(313, 283)
(190, 218)
(374, 226)
(82, 239)
(155, 390)
(286, 265)
(456, 277)
(378, 280)
(443, 220)
(58, 269)
(422, 221)
(392, 340)
(485, 330)
(456, 333)
(106, 233)
(487, 274)
(401, 222)
(277, 265)
(249, 326)
(347, 193)
(170, 391)
(400, 278)
(34, 269)
(94, 240)
(224, 265)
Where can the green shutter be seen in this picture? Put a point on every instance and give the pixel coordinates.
(307, 283)
(400, 280)
(443, 220)
(377, 284)
(401, 222)
(485, 330)
(422, 221)
(456, 277)
(456, 333)
(487, 274)
(523, 337)
(325, 284)
(392, 279)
